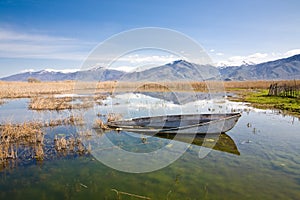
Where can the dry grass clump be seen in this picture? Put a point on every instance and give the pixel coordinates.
(70, 145)
(14, 135)
(2, 102)
(25, 132)
(50, 103)
(110, 117)
(100, 124)
(24, 142)
(61, 103)
(113, 117)
(72, 120)
(99, 98)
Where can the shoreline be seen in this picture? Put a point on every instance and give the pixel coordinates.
(258, 98)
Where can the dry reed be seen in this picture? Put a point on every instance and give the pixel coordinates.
(14, 135)
(61, 103)
(113, 117)
(28, 90)
(31, 90)
(2, 102)
(100, 124)
(259, 84)
(71, 120)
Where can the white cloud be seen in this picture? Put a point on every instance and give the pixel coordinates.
(51, 70)
(240, 60)
(62, 70)
(256, 58)
(27, 70)
(143, 59)
(139, 62)
(292, 52)
(23, 45)
(124, 68)
(9, 35)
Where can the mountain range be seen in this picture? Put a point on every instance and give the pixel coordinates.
(281, 69)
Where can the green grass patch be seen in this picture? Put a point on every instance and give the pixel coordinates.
(260, 99)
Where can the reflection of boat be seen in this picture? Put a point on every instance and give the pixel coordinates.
(182, 124)
(221, 142)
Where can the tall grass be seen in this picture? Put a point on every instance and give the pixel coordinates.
(260, 84)
(29, 90)
(25, 141)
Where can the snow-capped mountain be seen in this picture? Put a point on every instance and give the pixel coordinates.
(60, 75)
(286, 68)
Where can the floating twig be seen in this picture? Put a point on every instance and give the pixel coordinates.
(119, 193)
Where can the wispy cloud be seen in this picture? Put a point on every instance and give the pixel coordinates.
(15, 44)
(256, 58)
(138, 58)
(292, 52)
(138, 62)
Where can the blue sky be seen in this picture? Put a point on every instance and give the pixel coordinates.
(38, 34)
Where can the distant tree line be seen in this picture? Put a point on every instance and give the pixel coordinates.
(33, 80)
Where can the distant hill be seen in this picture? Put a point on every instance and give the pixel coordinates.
(176, 71)
(98, 74)
(282, 69)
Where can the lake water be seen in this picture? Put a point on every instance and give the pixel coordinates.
(258, 159)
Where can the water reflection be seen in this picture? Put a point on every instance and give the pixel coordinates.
(221, 142)
(267, 168)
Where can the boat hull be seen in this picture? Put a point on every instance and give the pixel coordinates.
(179, 124)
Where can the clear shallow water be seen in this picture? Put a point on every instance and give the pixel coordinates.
(267, 167)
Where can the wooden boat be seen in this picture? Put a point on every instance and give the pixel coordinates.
(181, 124)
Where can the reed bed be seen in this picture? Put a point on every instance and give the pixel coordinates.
(26, 142)
(14, 135)
(71, 120)
(32, 90)
(70, 145)
(259, 84)
(28, 90)
(61, 103)
(203, 86)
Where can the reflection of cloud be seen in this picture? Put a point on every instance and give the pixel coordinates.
(22, 45)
